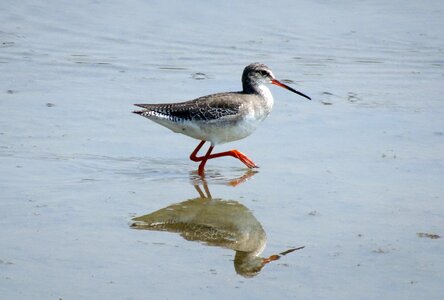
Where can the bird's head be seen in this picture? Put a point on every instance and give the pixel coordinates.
(256, 74)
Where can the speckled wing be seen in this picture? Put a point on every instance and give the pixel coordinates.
(206, 108)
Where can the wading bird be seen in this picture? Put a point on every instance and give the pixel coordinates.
(222, 117)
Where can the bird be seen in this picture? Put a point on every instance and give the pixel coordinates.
(222, 117)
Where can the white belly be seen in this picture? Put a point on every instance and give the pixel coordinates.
(216, 131)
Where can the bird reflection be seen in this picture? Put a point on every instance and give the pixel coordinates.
(215, 222)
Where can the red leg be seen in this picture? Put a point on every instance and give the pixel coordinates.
(203, 159)
(236, 154)
(193, 155)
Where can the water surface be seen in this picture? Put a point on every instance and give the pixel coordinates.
(355, 175)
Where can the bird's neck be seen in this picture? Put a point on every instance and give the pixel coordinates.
(261, 90)
(264, 91)
(265, 98)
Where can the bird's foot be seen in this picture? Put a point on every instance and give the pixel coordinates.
(243, 158)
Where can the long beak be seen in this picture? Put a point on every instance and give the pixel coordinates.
(278, 83)
(277, 256)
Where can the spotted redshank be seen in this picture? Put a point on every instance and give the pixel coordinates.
(222, 117)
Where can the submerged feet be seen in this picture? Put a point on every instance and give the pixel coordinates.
(203, 159)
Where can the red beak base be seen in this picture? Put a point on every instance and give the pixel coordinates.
(278, 83)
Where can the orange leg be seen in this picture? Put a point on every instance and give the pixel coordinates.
(203, 159)
(193, 155)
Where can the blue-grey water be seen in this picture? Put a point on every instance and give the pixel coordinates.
(355, 176)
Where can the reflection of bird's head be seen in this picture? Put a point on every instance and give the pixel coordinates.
(247, 264)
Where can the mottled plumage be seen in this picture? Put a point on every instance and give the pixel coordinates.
(205, 108)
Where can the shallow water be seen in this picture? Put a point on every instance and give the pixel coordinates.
(355, 175)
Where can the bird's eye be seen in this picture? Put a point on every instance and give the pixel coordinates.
(263, 73)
